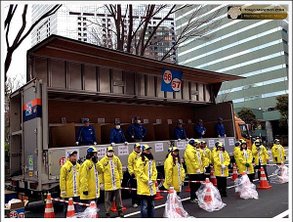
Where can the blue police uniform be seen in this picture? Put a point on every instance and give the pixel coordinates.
(117, 136)
(180, 133)
(220, 129)
(86, 135)
(137, 130)
(199, 129)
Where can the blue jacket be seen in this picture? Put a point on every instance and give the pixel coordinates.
(117, 136)
(180, 133)
(220, 129)
(136, 130)
(86, 135)
(199, 129)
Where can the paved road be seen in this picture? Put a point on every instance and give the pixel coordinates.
(271, 203)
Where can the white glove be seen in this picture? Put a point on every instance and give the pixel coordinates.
(150, 182)
(95, 143)
(77, 143)
(132, 137)
(179, 139)
(120, 182)
(187, 139)
(203, 132)
(219, 136)
(102, 186)
(126, 143)
(63, 193)
(198, 171)
(113, 144)
(225, 135)
(223, 166)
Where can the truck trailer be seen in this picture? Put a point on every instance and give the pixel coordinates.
(68, 80)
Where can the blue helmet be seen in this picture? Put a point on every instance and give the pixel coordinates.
(91, 149)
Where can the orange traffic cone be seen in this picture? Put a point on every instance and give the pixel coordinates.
(213, 178)
(208, 196)
(114, 208)
(94, 210)
(263, 183)
(188, 187)
(49, 210)
(70, 209)
(158, 193)
(235, 174)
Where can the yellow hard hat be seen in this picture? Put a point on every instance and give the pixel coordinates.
(110, 148)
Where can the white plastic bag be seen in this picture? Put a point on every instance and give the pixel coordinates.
(246, 189)
(281, 175)
(209, 197)
(174, 208)
(89, 212)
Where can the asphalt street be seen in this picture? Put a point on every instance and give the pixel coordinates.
(271, 203)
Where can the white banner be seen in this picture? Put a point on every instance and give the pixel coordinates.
(159, 147)
(231, 142)
(181, 145)
(101, 152)
(123, 150)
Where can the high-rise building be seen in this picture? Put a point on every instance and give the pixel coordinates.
(93, 23)
(255, 49)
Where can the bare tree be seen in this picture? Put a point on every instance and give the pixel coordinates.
(21, 34)
(135, 34)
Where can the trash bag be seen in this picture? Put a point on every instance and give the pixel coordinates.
(89, 212)
(174, 207)
(281, 175)
(209, 197)
(246, 189)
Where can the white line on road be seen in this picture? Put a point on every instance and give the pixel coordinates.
(282, 215)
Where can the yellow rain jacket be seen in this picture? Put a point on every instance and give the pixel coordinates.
(214, 150)
(112, 175)
(69, 180)
(194, 160)
(245, 157)
(146, 171)
(278, 152)
(260, 157)
(208, 156)
(174, 174)
(221, 158)
(132, 158)
(90, 177)
(236, 153)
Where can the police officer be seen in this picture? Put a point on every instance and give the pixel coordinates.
(90, 176)
(278, 152)
(136, 130)
(207, 156)
(146, 178)
(199, 129)
(180, 132)
(220, 128)
(132, 159)
(112, 180)
(245, 160)
(261, 157)
(117, 135)
(174, 171)
(86, 134)
(69, 181)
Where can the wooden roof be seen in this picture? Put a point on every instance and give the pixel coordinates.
(72, 50)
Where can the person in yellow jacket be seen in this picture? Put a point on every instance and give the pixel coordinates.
(207, 156)
(278, 153)
(213, 152)
(174, 171)
(131, 166)
(69, 181)
(146, 179)
(111, 180)
(221, 162)
(194, 161)
(245, 160)
(261, 157)
(236, 152)
(90, 177)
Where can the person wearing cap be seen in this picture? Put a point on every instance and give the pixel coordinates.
(146, 175)
(221, 162)
(199, 129)
(278, 153)
(245, 160)
(220, 128)
(261, 157)
(213, 151)
(69, 181)
(131, 167)
(207, 156)
(90, 176)
(86, 134)
(180, 132)
(136, 130)
(194, 161)
(112, 179)
(117, 135)
(174, 171)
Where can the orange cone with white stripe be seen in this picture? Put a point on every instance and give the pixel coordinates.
(213, 178)
(208, 196)
(235, 173)
(263, 183)
(70, 208)
(94, 210)
(49, 210)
